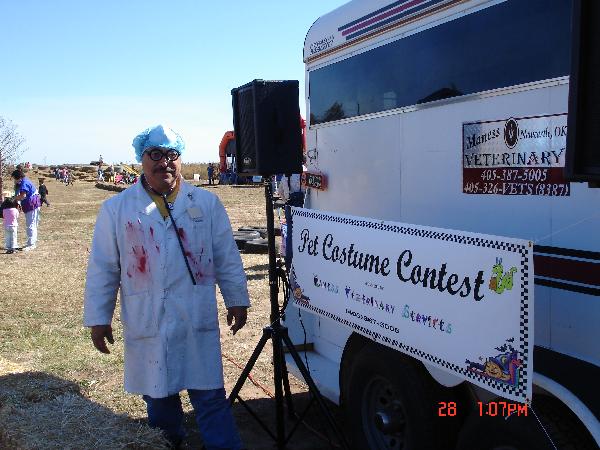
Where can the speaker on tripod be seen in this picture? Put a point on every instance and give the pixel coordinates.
(266, 120)
(268, 138)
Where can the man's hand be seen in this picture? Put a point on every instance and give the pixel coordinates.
(240, 314)
(99, 332)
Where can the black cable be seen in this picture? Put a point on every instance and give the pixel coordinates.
(305, 339)
(187, 263)
(283, 280)
(284, 277)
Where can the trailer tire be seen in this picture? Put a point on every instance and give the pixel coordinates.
(491, 433)
(261, 230)
(391, 403)
(242, 237)
(259, 246)
(524, 432)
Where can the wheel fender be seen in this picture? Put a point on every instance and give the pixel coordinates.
(441, 376)
(568, 399)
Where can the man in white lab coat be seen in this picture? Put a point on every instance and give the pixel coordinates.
(164, 244)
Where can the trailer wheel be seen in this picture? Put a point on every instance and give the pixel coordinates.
(524, 432)
(391, 403)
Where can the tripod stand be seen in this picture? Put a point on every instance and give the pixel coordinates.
(278, 334)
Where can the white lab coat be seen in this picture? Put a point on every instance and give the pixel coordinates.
(171, 328)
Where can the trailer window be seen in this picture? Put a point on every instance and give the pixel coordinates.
(507, 44)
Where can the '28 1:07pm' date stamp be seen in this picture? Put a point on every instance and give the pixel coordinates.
(493, 409)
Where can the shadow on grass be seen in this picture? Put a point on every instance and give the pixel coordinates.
(41, 411)
(257, 276)
(258, 267)
(261, 272)
(256, 438)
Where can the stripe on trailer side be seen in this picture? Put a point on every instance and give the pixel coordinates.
(368, 23)
(567, 269)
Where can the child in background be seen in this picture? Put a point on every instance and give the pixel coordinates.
(10, 214)
(43, 190)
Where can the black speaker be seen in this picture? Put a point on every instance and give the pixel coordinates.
(583, 137)
(266, 121)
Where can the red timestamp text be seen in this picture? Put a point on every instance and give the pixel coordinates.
(502, 408)
(496, 408)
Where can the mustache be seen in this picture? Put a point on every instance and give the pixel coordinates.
(163, 169)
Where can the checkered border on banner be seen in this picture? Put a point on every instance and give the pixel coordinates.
(520, 390)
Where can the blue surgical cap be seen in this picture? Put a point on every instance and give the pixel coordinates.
(157, 136)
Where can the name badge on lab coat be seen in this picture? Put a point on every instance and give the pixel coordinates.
(195, 213)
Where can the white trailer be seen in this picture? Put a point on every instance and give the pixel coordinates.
(391, 91)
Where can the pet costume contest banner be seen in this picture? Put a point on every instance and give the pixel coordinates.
(460, 301)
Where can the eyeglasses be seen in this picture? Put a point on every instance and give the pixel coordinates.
(157, 154)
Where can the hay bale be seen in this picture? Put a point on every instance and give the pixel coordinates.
(70, 421)
(112, 187)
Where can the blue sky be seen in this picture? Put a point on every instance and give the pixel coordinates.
(82, 78)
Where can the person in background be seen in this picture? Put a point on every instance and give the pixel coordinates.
(70, 178)
(288, 187)
(10, 214)
(210, 170)
(43, 190)
(111, 174)
(28, 196)
(291, 192)
(165, 244)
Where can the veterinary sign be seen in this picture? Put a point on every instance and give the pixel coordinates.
(515, 156)
(314, 180)
(460, 301)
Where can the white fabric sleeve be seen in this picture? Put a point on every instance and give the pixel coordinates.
(281, 186)
(229, 270)
(103, 272)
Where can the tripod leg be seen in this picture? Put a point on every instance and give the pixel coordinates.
(267, 333)
(286, 386)
(313, 388)
(278, 380)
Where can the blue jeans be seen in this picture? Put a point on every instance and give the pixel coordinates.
(213, 416)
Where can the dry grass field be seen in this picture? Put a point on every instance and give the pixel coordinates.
(56, 390)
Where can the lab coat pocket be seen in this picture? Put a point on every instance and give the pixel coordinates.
(137, 315)
(204, 308)
(200, 233)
